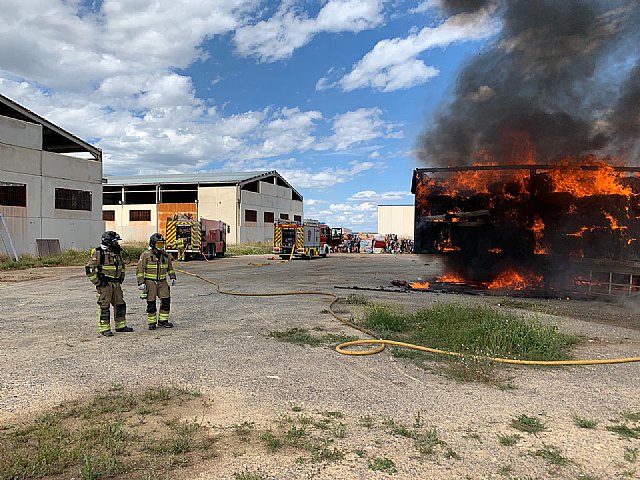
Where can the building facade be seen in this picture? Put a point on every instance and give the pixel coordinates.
(50, 185)
(396, 219)
(249, 202)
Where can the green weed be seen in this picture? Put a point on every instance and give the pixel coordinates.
(509, 440)
(631, 454)
(383, 464)
(528, 424)
(552, 455)
(250, 248)
(471, 330)
(625, 431)
(584, 422)
(248, 475)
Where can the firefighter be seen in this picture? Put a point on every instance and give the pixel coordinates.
(181, 248)
(106, 270)
(153, 267)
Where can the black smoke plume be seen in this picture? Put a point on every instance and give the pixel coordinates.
(564, 72)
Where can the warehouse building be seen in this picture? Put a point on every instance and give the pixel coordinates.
(248, 202)
(396, 219)
(50, 185)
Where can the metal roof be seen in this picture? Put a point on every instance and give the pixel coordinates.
(237, 178)
(54, 138)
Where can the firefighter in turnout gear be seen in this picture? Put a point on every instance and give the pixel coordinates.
(153, 268)
(106, 270)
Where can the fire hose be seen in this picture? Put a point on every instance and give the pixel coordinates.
(380, 343)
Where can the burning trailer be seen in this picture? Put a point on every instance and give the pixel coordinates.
(572, 226)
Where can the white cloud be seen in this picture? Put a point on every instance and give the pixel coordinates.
(374, 196)
(358, 126)
(111, 75)
(393, 63)
(326, 177)
(278, 37)
(52, 43)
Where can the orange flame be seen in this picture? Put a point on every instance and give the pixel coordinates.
(515, 281)
(420, 285)
(568, 176)
(450, 278)
(538, 233)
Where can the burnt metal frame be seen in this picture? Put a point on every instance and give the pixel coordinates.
(532, 169)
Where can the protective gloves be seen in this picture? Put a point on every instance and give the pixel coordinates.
(173, 282)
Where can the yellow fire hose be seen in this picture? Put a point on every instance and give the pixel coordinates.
(382, 342)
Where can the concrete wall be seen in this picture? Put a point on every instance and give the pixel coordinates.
(398, 219)
(220, 203)
(22, 161)
(132, 231)
(272, 198)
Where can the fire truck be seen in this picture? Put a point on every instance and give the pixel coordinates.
(207, 238)
(305, 239)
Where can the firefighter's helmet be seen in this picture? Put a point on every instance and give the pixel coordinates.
(109, 238)
(157, 241)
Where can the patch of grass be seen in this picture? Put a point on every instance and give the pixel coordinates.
(248, 475)
(476, 369)
(426, 442)
(92, 439)
(296, 408)
(470, 330)
(357, 299)
(302, 336)
(326, 454)
(272, 442)
(528, 424)
(360, 453)
(584, 422)
(625, 431)
(65, 258)
(250, 248)
(509, 440)
(160, 394)
(398, 428)
(552, 455)
(366, 421)
(296, 335)
(505, 470)
(383, 464)
(631, 416)
(244, 429)
(631, 454)
(451, 454)
(339, 430)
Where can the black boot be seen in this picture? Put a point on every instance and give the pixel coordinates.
(152, 326)
(107, 333)
(124, 329)
(165, 324)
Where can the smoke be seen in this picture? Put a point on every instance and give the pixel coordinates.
(564, 72)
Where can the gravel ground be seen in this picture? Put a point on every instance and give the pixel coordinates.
(51, 352)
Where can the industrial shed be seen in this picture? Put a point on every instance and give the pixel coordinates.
(249, 202)
(396, 219)
(50, 185)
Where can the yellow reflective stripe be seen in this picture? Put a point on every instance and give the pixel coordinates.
(149, 276)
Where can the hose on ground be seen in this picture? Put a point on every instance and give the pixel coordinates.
(379, 343)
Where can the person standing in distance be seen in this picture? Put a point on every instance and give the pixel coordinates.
(153, 268)
(106, 270)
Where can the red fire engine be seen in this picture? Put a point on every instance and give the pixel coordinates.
(306, 239)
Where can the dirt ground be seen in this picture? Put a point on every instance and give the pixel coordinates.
(50, 352)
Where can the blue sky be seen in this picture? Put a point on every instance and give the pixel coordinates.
(334, 94)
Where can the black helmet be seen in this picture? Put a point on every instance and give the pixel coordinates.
(109, 238)
(155, 239)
